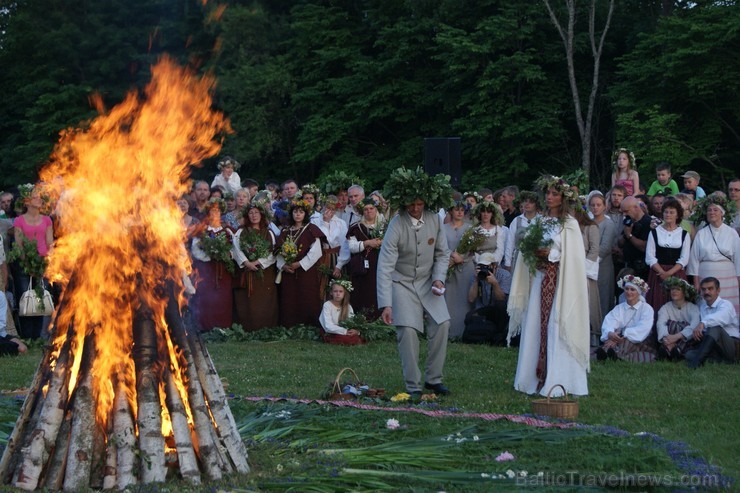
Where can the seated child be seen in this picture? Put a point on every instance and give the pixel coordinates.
(664, 182)
(691, 185)
(336, 310)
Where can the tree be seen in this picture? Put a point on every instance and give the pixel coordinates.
(597, 45)
(55, 55)
(678, 93)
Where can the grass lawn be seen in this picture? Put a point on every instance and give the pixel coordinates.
(699, 408)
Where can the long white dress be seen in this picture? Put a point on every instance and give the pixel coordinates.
(567, 364)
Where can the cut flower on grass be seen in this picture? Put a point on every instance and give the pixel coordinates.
(392, 424)
(505, 456)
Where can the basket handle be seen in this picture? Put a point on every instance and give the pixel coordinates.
(565, 392)
(337, 387)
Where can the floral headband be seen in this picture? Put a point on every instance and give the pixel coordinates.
(345, 283)
(488, 206)
(360, 207)
(475, 195)
(546, 182)
(228, 161)
(637, 282)
(700, 211)
(217, 202)
(310, 189)
(302, 204)
(689, 291)
(262, 202)
(630, 156)
(527, 195)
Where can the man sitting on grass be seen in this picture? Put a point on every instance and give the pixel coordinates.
(718, 329)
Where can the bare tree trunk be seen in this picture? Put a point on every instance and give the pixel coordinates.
(567, 34)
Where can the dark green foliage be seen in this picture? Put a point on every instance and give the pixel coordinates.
(317, 86)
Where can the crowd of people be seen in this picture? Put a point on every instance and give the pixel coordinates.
(569, 276)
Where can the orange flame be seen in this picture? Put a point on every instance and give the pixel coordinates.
(121, 235)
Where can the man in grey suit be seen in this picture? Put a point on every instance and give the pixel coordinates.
(411, 271)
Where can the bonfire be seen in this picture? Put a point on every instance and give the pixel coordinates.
(126, 392)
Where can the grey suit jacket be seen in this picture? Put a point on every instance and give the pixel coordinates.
(410, 260)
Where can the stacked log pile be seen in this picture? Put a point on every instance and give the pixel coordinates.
(60, 443)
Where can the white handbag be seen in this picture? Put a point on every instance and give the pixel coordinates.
(31, 305)
(592, 269)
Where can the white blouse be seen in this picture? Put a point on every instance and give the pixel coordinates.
(668, 239)
(329, 319)
(632, 322)
(705, 248)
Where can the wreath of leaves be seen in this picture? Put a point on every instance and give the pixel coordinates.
(406, 185)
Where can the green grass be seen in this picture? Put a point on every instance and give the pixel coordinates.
(696, 407)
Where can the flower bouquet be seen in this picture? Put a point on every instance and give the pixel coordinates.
(217, 245)
(533, 241)
(31, 262)
(289, 250)
(377, 232)
(254, 246)
(470, 241)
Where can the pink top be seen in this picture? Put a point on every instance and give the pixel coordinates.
(37, 232)
(627, 184)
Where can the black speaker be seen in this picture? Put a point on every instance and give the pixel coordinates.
(442, 155)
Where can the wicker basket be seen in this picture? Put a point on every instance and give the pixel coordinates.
(557, 408)
(336, 388)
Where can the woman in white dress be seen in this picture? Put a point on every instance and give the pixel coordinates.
(716, 249)
(550, 308)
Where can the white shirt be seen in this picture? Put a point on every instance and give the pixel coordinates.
(336, 235)
(705, 250)
(632, 322)
(721, 313)
(519, 222)
(329, 319)
(231, 186)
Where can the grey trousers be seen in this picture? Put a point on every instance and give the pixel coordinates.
(408, 349)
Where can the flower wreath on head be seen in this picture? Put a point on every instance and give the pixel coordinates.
(330, 201)
(228, 161)
(527, 195)
(303, 205)
(312, 189)
(630, 156)
(700, 210)
(261, 202)
(459, 204)
(360, 207)
(489, 206)
(689, 291)
(546, 182)
(637, 281)
(217, 202)
(405, 185)
(475, 195)
(345, 283)
(25, 192)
